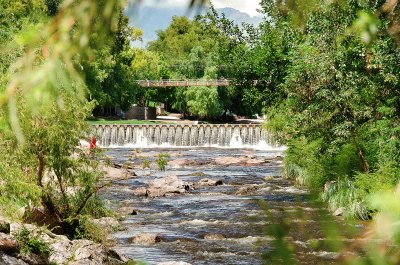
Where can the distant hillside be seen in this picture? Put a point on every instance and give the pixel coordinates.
(239, 17)
(153, 19)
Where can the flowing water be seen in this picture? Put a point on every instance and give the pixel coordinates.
(166, 135)
(183, 221)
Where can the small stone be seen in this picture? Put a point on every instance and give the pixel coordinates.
(339, 212)
(174, 263)
(208, 183)
(249, 189)
(146, 239)
(214, 237)
(127, 211)
(198, 174)
(269, 178)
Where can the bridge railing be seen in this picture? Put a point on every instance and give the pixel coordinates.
(184, 83)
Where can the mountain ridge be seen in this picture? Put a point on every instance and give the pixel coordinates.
(153, 19)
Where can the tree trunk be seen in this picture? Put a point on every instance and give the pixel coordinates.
(46, 201)
(364, 161)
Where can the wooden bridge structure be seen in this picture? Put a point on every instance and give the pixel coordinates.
(187, 83)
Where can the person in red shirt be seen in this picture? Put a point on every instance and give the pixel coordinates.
(92, 144)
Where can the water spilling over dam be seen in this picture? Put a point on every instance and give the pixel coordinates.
(172, 135)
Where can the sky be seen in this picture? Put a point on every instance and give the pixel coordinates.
(247, 6)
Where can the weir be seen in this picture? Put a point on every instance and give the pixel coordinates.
(173, 135)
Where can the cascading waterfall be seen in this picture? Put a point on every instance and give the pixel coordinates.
(227, 135)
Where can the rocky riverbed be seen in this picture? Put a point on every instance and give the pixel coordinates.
(214, 206)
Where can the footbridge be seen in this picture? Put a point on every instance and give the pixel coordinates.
(187, 83)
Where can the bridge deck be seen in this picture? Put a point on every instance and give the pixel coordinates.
(184, 83)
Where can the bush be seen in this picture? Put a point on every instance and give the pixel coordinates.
(162, 161)
(344, 194)
(30, 243)
(146, 163)
(87, 229)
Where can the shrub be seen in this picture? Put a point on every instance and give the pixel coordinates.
(87, 229)
(162, 161)
(30, 243)
(146, 163)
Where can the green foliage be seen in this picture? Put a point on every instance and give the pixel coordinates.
(43, 109)
(87, 229)
(146, 163)
(204, 102)
(340, 113)
(52, 6)
(31, 243)
(162, 161)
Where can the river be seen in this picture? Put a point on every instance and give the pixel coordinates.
(231, 212)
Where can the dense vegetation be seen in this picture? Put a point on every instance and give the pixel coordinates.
(340, 114)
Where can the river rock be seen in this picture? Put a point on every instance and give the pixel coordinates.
(87, 252)
(339, 212)
(164, 187)
(243, 161)
(198, 174)
(9, 260)
(114, 173)
(108, 224)
(65, 251)
(328, 185)
(32, 259)
(250, 189)
(214, 237)
(207, 183)
(41, 217)
(7, 243)
(229, 160)
(269, 178)
(146, 239)
(174, 263)
(127, 211)
(179, 162)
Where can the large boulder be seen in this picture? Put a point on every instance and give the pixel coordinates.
(167, 186)
(87, 252)
(41, 217)
(65, 251)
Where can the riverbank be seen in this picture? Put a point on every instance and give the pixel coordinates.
(31, 240)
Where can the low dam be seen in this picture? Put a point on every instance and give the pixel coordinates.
(173, 135)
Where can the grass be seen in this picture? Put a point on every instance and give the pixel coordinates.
(100, 121)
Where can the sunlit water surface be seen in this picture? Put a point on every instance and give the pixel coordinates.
(183, 221)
